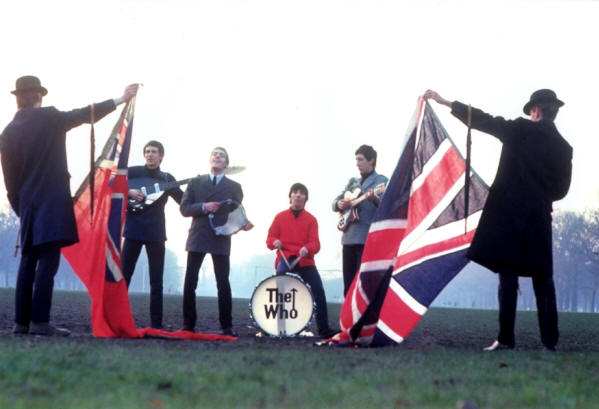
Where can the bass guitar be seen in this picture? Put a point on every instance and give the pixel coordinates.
(351, 213)
(152, 190)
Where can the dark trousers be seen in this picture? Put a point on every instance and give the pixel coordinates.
(223, 288)
(155, 252)
(311, 276)
(352, 257)
(546, 307)
(35, 282)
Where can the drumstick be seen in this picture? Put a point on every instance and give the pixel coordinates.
(294, 263)
(285, 259)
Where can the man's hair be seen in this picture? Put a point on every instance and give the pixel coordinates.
(368, 152)
(220, 148)
(27, 99)
(155, 144)
(298, 186)
(548, 110)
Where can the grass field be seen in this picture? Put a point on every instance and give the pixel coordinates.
(440, 364)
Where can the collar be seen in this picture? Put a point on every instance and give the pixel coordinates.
(296, 213)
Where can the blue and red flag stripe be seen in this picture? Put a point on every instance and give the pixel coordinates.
(417, 241)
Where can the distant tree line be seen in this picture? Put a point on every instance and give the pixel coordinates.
(65, 278)
(576, 268)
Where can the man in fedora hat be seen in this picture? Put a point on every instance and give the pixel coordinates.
(513, 237)
(34, 163)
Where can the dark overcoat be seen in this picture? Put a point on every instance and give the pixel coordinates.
(34, 163)
(200, 190)
(534, 170)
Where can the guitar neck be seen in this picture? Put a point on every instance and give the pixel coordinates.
(380, 188)
(170, 185)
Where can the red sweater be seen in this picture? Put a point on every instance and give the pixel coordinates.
(294, 234)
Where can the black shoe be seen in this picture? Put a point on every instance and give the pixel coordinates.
(159, 326)
(20, 329)
(188, 328)
(229, 331)
(497, 346)
(328, 333)
(44, 328)
(550, 348)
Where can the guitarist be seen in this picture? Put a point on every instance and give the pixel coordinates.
(354, 236)
(148, 228)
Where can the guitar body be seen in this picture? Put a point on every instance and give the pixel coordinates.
(345, 218)
(350, 214)
(152, 190)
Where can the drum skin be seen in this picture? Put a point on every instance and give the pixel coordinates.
(282, 305)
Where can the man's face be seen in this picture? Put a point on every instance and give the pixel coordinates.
(297, 200)
(218, 161)
(364, 165)
(535, 114)
(152, 156)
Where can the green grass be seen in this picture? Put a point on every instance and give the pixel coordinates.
(438, 365)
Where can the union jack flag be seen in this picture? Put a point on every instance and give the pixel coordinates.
(418, 238)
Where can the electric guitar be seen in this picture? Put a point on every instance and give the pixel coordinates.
(351, 213)
(152, 190)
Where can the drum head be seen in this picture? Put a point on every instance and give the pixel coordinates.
(282, 306)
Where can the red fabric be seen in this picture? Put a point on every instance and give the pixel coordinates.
(294, 234)
(96, 259)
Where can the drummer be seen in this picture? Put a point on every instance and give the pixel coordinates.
(294, 232)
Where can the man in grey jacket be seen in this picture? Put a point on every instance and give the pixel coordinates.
(356, 228)
(201, 199)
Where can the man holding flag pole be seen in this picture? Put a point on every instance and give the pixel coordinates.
(513, 237)
(37, 181)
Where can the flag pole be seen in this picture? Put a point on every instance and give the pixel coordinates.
(467, 174)
(92, 173)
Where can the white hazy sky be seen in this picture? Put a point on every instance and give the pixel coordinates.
(292, 88)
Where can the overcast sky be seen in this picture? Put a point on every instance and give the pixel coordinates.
(291, 89)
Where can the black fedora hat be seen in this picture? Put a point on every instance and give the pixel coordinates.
(29, 83)
(545, 96)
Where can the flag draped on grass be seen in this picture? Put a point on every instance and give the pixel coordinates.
(417, 242)
(96, 259)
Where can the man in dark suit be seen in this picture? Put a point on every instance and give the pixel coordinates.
(513, 237)
(148, 228)
(34, 163)
(201, 199)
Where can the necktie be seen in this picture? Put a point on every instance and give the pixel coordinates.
(214, 181)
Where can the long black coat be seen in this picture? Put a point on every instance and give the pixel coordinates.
(202, 238)
(34, 163)
(534, 170)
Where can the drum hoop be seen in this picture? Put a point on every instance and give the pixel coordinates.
(227, 201)
(297, 276)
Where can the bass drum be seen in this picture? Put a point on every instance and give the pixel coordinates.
(282, 305)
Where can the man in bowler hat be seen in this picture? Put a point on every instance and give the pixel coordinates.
(34, 163)
(513, 237)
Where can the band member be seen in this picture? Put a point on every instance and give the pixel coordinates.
(513, 237)
(202, 198)
(34, 163)
(295, 232)
(147, 228)
(354, 236)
